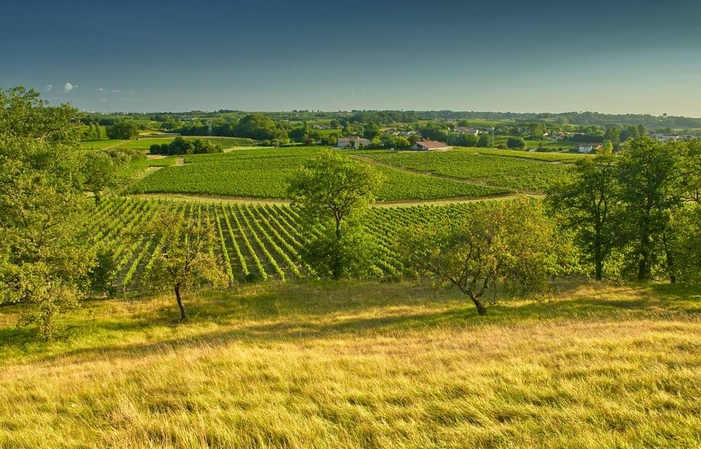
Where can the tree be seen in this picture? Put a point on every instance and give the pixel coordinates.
(651, 186)
(499, 243)
(516, 143)
(46, 253)
(485, 141)
(588, 203)
(100, 174)
(123, 130)
(333, 192)
(184, 259)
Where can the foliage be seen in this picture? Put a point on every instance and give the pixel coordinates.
(333, 191)
(651, 181)
(500, 243)
(45, 254)
(183, 258)
(123, 130)
(516, 143)
(181, 146)
(588, 203)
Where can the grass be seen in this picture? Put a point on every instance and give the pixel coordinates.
(354, 365)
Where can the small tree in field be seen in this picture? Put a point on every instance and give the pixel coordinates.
(499, 243)
(333, 192)
(184, 259)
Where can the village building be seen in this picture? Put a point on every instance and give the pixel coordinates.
(354, 142)
(430, 145)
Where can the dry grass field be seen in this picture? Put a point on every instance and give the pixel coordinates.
(361, 365)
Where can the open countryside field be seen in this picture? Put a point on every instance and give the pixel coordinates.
(358, 365)
(498, 168)
(262, 173)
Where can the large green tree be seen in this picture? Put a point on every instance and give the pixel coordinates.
(588, 203)
(123, 129)
(333, 192)
(652, 178)
(46, 254)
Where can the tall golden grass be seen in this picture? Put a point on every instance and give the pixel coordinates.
(350, 365)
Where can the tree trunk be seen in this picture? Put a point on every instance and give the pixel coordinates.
(670, 259)
(481, 309)
(183, 315)
(337, 264)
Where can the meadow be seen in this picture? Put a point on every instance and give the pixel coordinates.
(262, 173)
(359, 365)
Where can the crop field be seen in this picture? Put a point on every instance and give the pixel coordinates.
(255, 240)
(262, 173)
(145, 143)
(531, 155)
(529, 174)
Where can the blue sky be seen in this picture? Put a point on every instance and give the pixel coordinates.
(608, 56)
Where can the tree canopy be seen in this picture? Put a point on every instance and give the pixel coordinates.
(46, 253)
(334, 191)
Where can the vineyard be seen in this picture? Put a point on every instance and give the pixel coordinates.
(144, 143)
(262, 173)
(254, 241)
(492, 167)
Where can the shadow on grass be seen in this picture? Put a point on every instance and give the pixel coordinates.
(317, 310)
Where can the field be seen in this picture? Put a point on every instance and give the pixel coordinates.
(255, 240)
(498, 168)
(359, 365)
(145, 143)
(262, 173)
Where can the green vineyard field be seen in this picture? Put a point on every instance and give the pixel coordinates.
(262, 173)
(496, 168)
(255, 241)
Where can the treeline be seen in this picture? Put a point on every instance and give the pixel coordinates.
(252, 126)
(182, 146)
(637, 213)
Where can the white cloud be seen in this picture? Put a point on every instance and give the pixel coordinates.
(116, 91)
(69, 87)
(102, 89)
(49, 87)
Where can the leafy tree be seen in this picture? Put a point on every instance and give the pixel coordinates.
(589, 204)
(651, 185)
(500, 243)
(184, 259)
(516, 143)
(100, 174)
(485, 141)
(334, 192)
(46, 254)
(613, 133)
(123, 130)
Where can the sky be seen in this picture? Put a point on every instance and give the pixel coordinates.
(613, 56)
